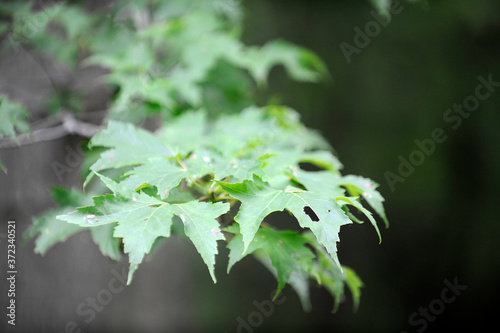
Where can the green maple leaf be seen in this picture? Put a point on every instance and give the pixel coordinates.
(322, 215)
(354, 284)
(201, 227)
(108, 244)
(330, 276)
(353, 201)
(48, 230)
(166, 174)
(323, 182)
(174, 132)
(301, 65)
(130, 146)
(240, 169)
(141, 219)
(140, 223)
(367, 188)
(248, 126)
(286, 249)
(299, 279)
(284, 159)
(279, 161)
(329, 184)
(323, 159)
(163, 174)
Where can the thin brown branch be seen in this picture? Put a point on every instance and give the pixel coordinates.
(68, 124)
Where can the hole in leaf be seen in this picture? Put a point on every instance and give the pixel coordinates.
(306, 166)
(312, 215)
(296, 184)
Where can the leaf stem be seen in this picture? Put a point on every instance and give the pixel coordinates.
(194, 180)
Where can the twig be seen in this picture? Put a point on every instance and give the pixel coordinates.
(69, 125)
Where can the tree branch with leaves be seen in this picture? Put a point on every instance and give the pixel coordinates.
(217, 165)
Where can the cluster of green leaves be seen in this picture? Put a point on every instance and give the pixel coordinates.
(218, 165)
(164, 57)
(199, 177)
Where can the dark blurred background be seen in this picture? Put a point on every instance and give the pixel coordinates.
(394, 90)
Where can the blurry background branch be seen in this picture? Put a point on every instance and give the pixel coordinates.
(62, 124)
